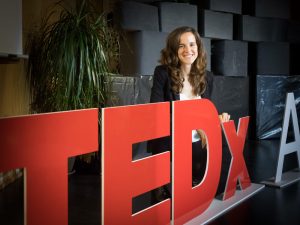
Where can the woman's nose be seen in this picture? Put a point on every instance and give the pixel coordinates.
(187, 48)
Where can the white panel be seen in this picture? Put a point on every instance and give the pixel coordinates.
(11, 27)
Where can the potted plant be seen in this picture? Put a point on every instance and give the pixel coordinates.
(70, 58)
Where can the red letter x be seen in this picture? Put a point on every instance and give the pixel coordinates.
(238, 169)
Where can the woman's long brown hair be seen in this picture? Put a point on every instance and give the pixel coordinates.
(169, 57)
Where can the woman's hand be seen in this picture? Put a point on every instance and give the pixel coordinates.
(224, 117)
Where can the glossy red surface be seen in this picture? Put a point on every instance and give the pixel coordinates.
(238, 170)
(122, 127)
(201, 114)
(41, 144)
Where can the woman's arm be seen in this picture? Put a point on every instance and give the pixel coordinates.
(224, 117)
(160, 79)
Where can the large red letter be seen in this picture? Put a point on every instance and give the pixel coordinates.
(237, 170)
(42, 144)
(187, 116)
(122, 178)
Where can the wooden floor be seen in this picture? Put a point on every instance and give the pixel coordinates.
(270, 206)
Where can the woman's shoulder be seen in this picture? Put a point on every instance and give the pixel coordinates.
(161, 68)
(161, 72)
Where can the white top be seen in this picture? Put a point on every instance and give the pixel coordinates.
(195, 135)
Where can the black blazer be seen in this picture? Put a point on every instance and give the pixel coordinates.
(162, 92)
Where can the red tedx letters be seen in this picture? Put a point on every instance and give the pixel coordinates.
(42, 144)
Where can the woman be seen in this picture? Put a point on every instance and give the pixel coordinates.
(182, 76)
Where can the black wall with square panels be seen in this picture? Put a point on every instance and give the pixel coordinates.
(247, 42)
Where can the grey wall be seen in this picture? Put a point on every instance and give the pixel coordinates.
(11, 27)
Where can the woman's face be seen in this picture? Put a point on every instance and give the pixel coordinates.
(188, 49)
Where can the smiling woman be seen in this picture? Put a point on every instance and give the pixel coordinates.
(185, 58)
(182, 76)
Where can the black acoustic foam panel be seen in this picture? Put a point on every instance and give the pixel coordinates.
(231, 95)
(231, 6)
(258, 29)
(294, 58)
(294, 32)
(272, 8)
(230, 58)
(217, 25)
(273, 58)
(140, 52)
(137, 16)
(207, 47)
(173, 15)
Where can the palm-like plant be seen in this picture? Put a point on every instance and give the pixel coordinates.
(69, 59)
